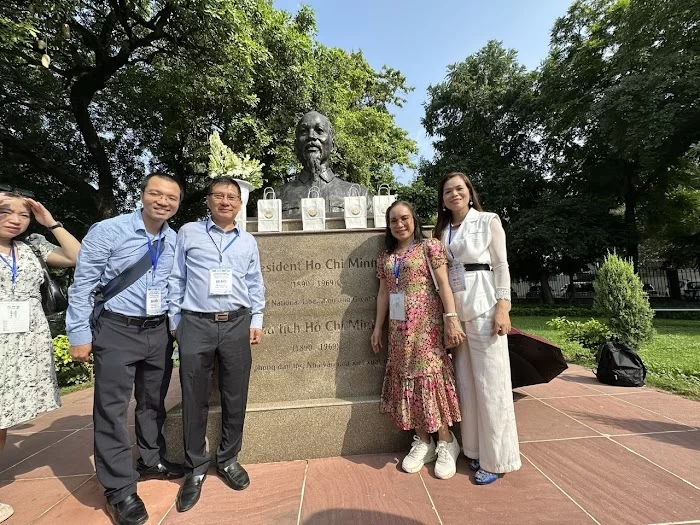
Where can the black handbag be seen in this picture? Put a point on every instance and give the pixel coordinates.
(53, 299)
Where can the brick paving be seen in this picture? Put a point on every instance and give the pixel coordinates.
(591, 454)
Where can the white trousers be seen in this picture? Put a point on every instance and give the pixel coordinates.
(482, 370)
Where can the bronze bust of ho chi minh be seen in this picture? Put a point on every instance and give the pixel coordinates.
(313, 145)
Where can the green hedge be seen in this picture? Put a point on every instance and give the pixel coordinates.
(69, 372)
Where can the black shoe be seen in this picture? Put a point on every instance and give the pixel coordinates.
(189, 493)
(130, 511)
(164, 469)
(235, 475)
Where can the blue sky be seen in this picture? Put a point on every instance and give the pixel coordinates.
(420, 38)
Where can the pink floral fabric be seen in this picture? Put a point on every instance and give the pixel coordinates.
(419, 384)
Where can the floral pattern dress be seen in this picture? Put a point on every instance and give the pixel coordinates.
(419, 383)
(28, 385)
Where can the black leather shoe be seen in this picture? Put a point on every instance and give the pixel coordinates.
(235, 475)
(130, 511)
(189, 493)
(164, 469)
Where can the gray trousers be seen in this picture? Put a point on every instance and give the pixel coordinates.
(199, 342)
(128, 358)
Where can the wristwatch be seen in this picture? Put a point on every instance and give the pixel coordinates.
(57, 225)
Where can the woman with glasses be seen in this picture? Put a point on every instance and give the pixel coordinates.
(28, 385)
(419, 385)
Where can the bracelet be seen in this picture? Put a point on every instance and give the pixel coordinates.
(450, 314)
(57, 225)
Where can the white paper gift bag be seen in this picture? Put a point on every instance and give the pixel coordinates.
(380, 203)
(269, 212)
(355, 209)
(313, 211)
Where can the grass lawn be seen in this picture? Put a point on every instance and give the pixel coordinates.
(672, 359)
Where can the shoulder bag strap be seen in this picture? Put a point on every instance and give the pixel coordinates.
(430, 266)
(128, 277)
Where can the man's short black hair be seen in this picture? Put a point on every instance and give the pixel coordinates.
(162, 175)
(229, 181)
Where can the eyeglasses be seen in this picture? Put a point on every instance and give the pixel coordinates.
(157, 195)
(6, 188)
(221, 196)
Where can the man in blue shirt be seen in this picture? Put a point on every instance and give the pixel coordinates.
(216, 306)
(130, 342)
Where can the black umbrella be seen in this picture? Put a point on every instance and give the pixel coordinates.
(533, 360)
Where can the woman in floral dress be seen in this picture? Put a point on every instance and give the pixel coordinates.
(419, 385)
(28, 384)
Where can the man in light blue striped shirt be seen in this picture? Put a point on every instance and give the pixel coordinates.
(216, 307)
(130, 342)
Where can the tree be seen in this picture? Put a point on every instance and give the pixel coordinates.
(622, 83)
(137, 85)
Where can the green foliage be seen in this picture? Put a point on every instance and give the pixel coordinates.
(589, 334)
(224, 162)
(138, 86)
(423, 198)
(69, 372)
(619, 92)
(558, 310)
(620, 298)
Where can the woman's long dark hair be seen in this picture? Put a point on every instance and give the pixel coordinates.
(444, 216)
(390, 242)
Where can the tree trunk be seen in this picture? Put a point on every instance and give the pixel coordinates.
(674, 284)
(80, 97)
(571, 290)
(631, 219)
(547, 296)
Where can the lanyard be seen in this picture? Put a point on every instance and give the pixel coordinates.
(398, 262)
(221, 252)
(13, 266)
(449, 240)
(155, 256)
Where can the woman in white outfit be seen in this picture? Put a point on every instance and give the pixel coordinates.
(479, 277)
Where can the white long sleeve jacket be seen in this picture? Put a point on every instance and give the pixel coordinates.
(479, 240)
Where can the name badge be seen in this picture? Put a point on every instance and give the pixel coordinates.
(456, 276)
(154, 303)
(14, 317)
(220, 281)
(397, 306)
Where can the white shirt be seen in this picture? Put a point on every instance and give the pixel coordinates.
(479, 240)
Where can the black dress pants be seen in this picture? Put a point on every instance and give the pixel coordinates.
(200, 340)
(128, 358)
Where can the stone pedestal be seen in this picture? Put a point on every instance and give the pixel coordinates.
(315, 383)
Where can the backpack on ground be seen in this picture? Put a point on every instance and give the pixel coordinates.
(619, 365)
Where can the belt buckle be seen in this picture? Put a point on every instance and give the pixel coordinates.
(221, 316)
(150, 323)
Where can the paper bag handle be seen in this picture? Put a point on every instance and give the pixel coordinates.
(383, 187)
(354, 188)
(269, 191)
(316, 190)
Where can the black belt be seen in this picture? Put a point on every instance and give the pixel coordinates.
(218, 316)
(141, 322)
(477, 268)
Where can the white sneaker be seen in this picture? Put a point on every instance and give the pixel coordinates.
(5, 511)
(420, 454)
(447, 454)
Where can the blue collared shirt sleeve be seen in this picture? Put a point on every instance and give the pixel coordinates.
(256, 290)
(94, 253)
(177, 281)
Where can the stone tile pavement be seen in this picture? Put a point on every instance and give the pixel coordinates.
(591, 454)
